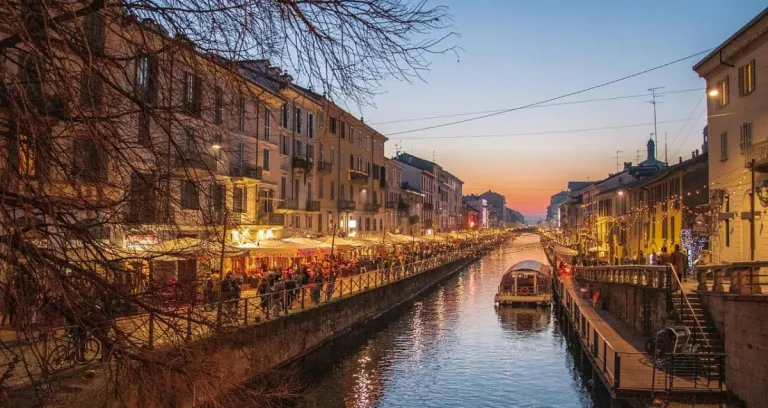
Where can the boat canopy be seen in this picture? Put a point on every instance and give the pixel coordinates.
(563, 251)
(531, 265)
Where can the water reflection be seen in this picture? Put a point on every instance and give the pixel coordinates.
(524, 319)
(450, 349)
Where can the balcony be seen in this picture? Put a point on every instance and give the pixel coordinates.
(358, 177)
(246, 171)
(391, 205)
(324, 167)
(302, 163)
(346, 205)
(759, 153)
(196, 160)
(371, 207)
(271, 219)
(428, 207)
(146, 214)
(313, 205)
(288, 205)
(403, 207)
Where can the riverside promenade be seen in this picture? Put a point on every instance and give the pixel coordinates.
(613, 350)
(292, 321)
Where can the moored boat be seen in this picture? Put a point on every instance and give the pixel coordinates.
(526, 282)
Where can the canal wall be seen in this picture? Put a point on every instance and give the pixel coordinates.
(644, 308)
(210, 368)
(743, 323)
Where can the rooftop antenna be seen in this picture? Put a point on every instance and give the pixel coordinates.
(433, 156)
(617, 159)
(638, 155)
(665, 149)
(653, 102)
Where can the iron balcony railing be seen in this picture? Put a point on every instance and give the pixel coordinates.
(390, 205)
(358, 176)
(196, 160)
(347, 205)
(288, 204)
(246, 171)
(313, 205)
(371, 207)
(324, 167)
(759, 153)
(271, 219)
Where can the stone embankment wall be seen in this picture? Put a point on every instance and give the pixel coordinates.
(214, 366)
(743, 323)
(643, 308)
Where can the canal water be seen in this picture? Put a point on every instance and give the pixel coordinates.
(453, 348)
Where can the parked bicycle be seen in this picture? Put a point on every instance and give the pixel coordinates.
(78, 348)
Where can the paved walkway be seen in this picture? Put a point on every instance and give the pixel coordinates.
(617, 340)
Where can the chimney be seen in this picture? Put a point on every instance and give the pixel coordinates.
(275, 72)
(627, 165)
(286, 78)
(697, 152)
(681, 159)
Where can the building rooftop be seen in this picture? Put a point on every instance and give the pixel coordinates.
(732, 38)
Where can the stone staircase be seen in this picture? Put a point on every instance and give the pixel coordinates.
(705, 335)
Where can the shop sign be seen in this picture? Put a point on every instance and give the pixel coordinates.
(700, 225)
(140, 240)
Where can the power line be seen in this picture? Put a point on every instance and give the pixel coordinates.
(543, 133)
(555, 98)
(451, 115)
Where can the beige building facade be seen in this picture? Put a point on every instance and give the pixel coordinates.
(737, 111)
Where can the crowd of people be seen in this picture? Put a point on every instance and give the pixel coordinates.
(279, 288)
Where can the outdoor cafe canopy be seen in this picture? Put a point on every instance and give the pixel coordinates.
(342, 243)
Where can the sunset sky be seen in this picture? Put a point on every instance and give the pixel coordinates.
(520, 52)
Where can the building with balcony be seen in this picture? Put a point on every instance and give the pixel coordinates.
(737, 127)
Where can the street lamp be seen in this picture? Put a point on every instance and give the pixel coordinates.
(621, 192)
(713, 92)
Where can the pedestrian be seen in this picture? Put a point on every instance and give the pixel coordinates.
(208, 291)
(678, 262)
(278, 296)
(263, 290)
(640, 257)
(317, 282)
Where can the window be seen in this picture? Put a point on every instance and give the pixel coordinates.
(189, 195)
(297, 122)
(368, 143)
(341, 191)
(145, 76)
(266, 159)
(747, 78)
(92, 89)
(745, 137)
(282, 187)
(724, 146)
(284, 146)
(320, 188)
(333, 155)
(299, 150)
(672, 229)
(333, 190)
(266, 123)
(239, 199)
(351, 135)
(239, 154)
(90, 161)
(218, 195)
(144, 136)
(192, 94)
(722, 96)
(218, 104)
(241, 114)
(332, 122)
(311, 124)
(284, 113)
(351, 162)
(342, 130)
(94, 32)
(727, 231)
(311, 152)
